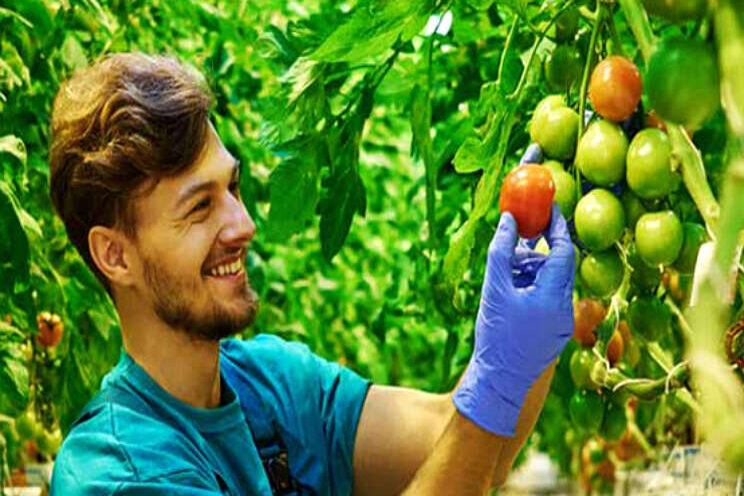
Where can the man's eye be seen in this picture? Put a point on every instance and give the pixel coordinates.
(201, 205)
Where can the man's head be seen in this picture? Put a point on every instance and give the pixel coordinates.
(148, 194)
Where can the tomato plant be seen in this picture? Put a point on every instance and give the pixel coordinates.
(659, 237)
(649, 168)
(554, 127)
(565, 187)
(601, 153)
(602, 272)
(615, 88)
(682, 81)
(600, 219)
(527, 193)
(563, 67)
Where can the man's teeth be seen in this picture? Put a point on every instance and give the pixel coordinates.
(227, 269)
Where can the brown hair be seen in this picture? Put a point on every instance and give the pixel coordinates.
(125, 120)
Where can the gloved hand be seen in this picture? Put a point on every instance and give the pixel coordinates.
(519, 331)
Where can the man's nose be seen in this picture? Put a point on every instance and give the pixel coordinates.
(239, 227)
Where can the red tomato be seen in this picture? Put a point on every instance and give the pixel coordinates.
(615, 348)
(615, 88)
(527, 193)
(588, 314)
(51, 329)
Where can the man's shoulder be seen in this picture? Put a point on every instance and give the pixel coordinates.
(115, 443)
(267, 351)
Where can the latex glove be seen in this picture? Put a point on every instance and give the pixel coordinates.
(519, 331)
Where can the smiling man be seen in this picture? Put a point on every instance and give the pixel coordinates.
(149, 197)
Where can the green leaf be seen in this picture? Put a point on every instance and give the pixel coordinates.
(470, 157)
(421, 145)
(346, 196)
(293, 189)
(72, 52)
(457, 259)
(14, 379)
(14, 247)
(14, 146)
(373, 28)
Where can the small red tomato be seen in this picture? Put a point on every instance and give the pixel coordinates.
(527, 193)
(588, 314)
(615, 348)
(615, 88)
(51, 329)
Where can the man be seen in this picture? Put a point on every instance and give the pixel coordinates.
(150, 199)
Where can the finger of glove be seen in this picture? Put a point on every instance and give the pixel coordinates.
(558, 269)
(501, 249)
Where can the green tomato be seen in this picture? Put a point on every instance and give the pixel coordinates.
(554, 127)
(659, 237)
(566, 25)
(599, 219)
(682, 81)
(677, 10)
(602, 272)
(648, 317)
(694, 236)
(565, 187)
(643, 277)
(632, 207)
(563, 67)
(50, 442)
(601, 153)
(25, 426)
(586, 410)
(615, 422)
(649, 172)
(580, 367)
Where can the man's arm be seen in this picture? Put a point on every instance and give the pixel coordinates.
(399, 427)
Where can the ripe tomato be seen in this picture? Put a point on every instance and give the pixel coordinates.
(599, 219)
(527, 193)
(580, 367)
(648, 317)
(565, 187)
(555, 127)
(627, 447)
(563, 67)
(615, 348)
(602, 272)
(586, 410)
(588, 314)
(682, 81)
(677, 10)
(694, 236)
(51, 328)
(659, 237)
(649, 169)
(615, 88)
(601, 153)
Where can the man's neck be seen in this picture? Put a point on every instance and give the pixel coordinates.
(188, 369)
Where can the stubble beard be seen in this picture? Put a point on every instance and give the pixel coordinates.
(175, 303)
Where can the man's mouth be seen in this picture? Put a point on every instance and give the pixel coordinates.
(227, 269)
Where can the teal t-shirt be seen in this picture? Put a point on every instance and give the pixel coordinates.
(136, 439)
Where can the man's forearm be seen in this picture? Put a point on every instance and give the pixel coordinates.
(462, 462)
(533, 405)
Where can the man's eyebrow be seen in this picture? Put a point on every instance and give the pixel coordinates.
(195, 188)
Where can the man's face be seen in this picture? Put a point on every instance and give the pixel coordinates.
(192, 235)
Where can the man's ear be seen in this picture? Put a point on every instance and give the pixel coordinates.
(108, 249)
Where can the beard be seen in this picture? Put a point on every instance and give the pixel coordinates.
(175, 301)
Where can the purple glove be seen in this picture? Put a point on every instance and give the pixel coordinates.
(520, 329)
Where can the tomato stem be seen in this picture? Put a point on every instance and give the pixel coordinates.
(598, 20)
(507, 45)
